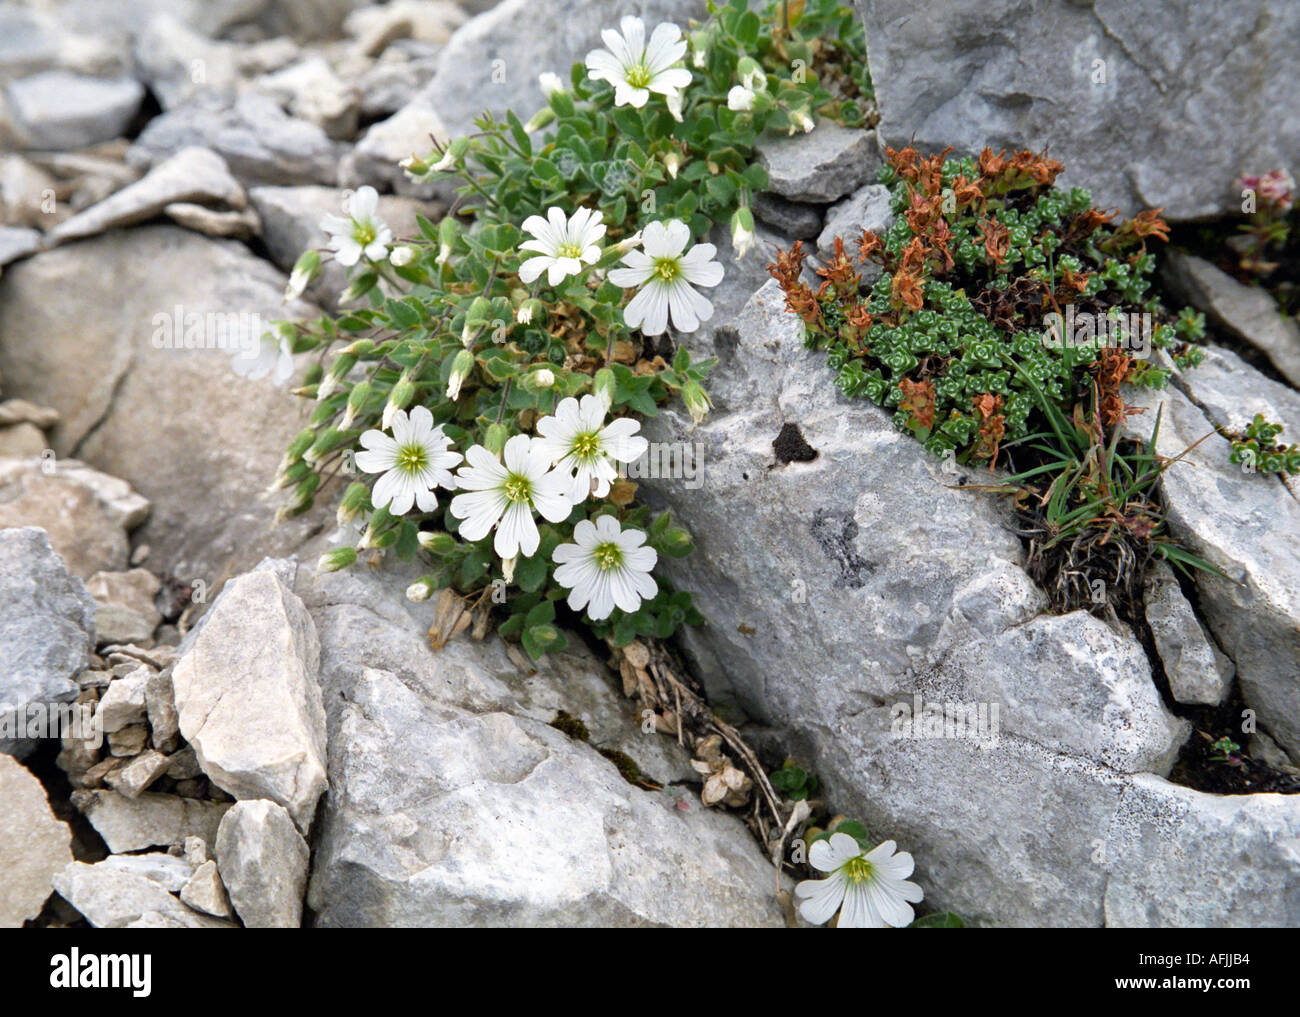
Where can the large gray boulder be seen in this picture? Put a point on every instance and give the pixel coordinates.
(863, 585)
(186, 432)
(47, 629)
(1120, 91)
(453, 801)
(868, 553)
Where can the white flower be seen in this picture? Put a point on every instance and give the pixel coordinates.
(415, 460)
(545, 378)
(579, 442)
(402, 256)
(362, 232)
(272, 357)
(550, 82)
(740, 98)
(872, 887)
(636, 69)
(665, 276)
(563, 245)
(508, 493)
(607, 567)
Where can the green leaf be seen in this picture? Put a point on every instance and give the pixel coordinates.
(539, 640)
(530, 573)
(541, 614)
(939, 920)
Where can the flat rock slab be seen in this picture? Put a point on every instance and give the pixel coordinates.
(150, 820)
(191, 175)
(1243, 523)
(1249, 312)
(114, 898)
(823, 165)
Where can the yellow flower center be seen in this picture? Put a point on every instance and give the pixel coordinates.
(667, 269)
(607, 556)
(859, 870)
(569, 251)
(639, 76)
(363, 233)
(517, 488)
(586, 445)
(412, 458)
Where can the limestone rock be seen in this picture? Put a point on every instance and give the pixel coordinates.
(1155, 81)
(247, 694)
(263, 863)
(1249, 312)
(192, 174)
(151, 820)
(826, 164)
(46, 627)
(59, 109)
(112, 898)
(1191, 661)
(130, 405)
(33, 844)
(497, 818)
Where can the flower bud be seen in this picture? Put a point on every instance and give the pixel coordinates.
(414, 167)
(495, 439)
(529, 311)
(751, 74)
(398, 399)
(339, 558)
(402, 256)
(451, 156)
(603, 385)
(304, 271)
(461, 365)
(419, 590)
(436, 542)
(742, 231)
(696, 400)
(539, 120)
(355, 501)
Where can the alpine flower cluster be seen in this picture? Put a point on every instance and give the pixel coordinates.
(655, 261)
(572, 457)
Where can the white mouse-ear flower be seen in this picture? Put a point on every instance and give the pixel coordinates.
(636, 67)
(869, 889)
